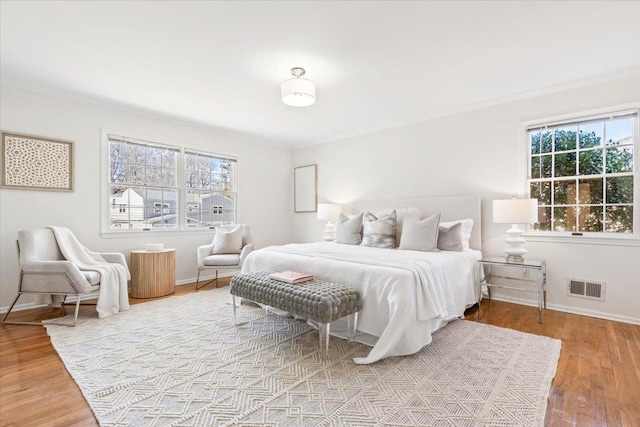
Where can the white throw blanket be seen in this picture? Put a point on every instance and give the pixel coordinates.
(406, 295)
(114, 295)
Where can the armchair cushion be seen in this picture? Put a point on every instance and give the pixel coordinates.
(227, 241)
(93, 277)
(222, 260)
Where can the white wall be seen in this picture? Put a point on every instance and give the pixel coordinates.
(480, 152)
(265, 176)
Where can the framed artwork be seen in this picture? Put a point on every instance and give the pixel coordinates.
(30, 162)
(305, 188)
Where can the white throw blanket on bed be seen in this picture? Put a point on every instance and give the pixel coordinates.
(113, 296)
(406, 295)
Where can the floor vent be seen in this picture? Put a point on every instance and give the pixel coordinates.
(586, 289)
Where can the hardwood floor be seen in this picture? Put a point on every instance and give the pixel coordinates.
(597, 383)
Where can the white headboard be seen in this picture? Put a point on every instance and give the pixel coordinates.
(450, 208)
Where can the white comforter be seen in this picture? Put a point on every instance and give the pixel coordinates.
(406, 295)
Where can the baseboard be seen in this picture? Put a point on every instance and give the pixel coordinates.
(30, 305)
(573, 310)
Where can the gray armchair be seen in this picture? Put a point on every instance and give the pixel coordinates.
(206, 261)
(44, 270)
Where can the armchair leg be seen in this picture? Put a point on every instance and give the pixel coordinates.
(4, 319)
(207, 283)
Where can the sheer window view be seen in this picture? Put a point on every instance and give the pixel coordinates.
(582, 174)
(145, 190)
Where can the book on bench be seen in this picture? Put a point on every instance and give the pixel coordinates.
(291, 277)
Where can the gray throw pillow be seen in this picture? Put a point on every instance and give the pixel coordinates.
(450, 238)
(379, 232)
(420, 235)
(349, 230)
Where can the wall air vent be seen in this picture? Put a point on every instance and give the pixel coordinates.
(586, 289)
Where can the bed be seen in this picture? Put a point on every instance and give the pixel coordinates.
(406, 295)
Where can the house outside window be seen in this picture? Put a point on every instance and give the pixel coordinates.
(165, 187)
(584, 174)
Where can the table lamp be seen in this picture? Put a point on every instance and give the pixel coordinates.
(328, 212)
(515, 211)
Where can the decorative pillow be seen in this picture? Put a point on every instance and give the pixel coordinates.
(349, 230)
(465, 231)
(400, 213)
(420, 235)
(379, 232)
(227, 242)
(450, 238)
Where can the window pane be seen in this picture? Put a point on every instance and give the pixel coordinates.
(136, 175)
(118, 152)
(154, 176)
(619, 159)
(590, 218)
(590, 135)
(565, 164)
(203, 164)
(564, 192)
(619, 219)
(535, 167)
(565, 219)
(546, 142)
(619, 131)
(190, 162)
(545, 167)
(169, 178)
(541, 191)
(203, 180)
(136, 154)
(590, 191)
(544, 219)
(118, 172)
(565, 139)
(591, 162)
(190, 179)
(154, 157)
(534, 139)
(619, 189)
(169, 159)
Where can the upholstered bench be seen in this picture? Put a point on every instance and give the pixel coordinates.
(317, 300)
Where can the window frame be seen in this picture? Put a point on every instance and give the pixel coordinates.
(557, 121)
(181, 227)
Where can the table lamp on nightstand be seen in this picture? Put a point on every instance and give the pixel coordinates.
(515, 211)
(328, 212)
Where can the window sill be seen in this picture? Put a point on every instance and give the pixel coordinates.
(633, 240)
(121, 234)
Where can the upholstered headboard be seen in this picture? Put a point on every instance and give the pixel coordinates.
(450, 208)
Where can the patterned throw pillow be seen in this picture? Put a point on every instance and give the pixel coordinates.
(379, 232)
(420, 235)
(349, 230)
(400, 214)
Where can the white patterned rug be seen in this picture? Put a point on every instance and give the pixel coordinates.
(181, 361)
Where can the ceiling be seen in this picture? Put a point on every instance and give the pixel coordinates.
(375, 64)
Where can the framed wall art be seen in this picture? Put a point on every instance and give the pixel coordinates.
(30, 162)
(305, 195)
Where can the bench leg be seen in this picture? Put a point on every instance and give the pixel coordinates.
(352, 325)
(324, 337)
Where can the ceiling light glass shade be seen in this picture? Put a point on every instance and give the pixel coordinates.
(298, 92)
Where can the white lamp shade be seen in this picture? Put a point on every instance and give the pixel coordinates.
(515, 211)
(298, 92)
(328, 212)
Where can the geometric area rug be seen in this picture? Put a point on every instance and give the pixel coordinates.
(182, 362)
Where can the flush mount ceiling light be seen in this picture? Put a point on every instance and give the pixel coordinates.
(298, 92)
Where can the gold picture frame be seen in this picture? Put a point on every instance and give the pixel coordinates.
(305, 188)
(29, 162)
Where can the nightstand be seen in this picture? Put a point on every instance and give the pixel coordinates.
(531, 271)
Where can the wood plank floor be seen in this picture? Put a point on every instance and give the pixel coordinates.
(597, 383)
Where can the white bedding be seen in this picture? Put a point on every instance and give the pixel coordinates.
(406, 295)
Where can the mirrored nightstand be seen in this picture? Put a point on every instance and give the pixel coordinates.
(530, 271)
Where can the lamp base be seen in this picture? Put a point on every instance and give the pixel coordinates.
(329, 232)
(515, 244)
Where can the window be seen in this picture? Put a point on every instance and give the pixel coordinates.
(163, 187)
(210, 189)
(583, 174)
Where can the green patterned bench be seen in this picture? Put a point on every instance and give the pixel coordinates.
(317, 300)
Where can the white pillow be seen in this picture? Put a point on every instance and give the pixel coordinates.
(349, 230)
(227, 242)
(465, 233)
(420, 235)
